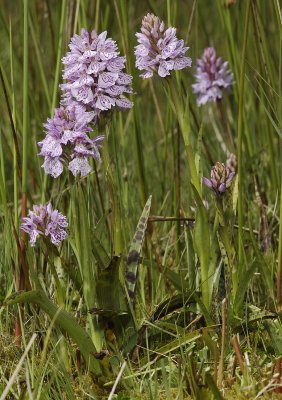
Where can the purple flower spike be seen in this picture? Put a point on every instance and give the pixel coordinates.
(93, 74)
(221, 178)
(95, 82)
(159, 50)
(212, 77)
(67, 140)
(44, 221)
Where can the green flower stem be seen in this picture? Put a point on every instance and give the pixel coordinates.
(25, 103)
(81, 227)
(116, 222)
(60, 293)
(240, 139)
(202, 247)
(15, 161)
(59, 289)
(50, 256)
(223, 231)
(182, 114)
(139, 153)
(226, 127)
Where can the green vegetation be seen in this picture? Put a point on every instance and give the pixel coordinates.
(205, 319)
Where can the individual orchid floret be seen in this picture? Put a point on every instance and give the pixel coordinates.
(67, 142)
(159, 50)
(83, 149)
(212, 77)
(94, 74)
(231, 162)
(221, 178)
(44, 221)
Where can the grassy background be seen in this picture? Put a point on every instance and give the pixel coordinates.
(145, 155)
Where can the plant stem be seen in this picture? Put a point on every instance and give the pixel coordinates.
(140, 157)
(226, 127)
(223, 342)
(21, 283)
(182, 114)
(25, 105)
(115, 206)
(58, 286)
(16, 153)
(223, 231)
(178, 192)
(240, 138)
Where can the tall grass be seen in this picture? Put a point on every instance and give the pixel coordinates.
(204, 317)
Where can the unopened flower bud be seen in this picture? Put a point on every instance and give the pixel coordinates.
(220, 180)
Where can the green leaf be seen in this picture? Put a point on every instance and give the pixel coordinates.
(177, 279)
(242, 287)
(274, 330)
(254, 315)
(99, 252)
(214, 389)
(83, 244)
(263, 266)
(110, 292)
(64, 321)
(198, 151)
(188, 338)
(135, 251)
(235, 194)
